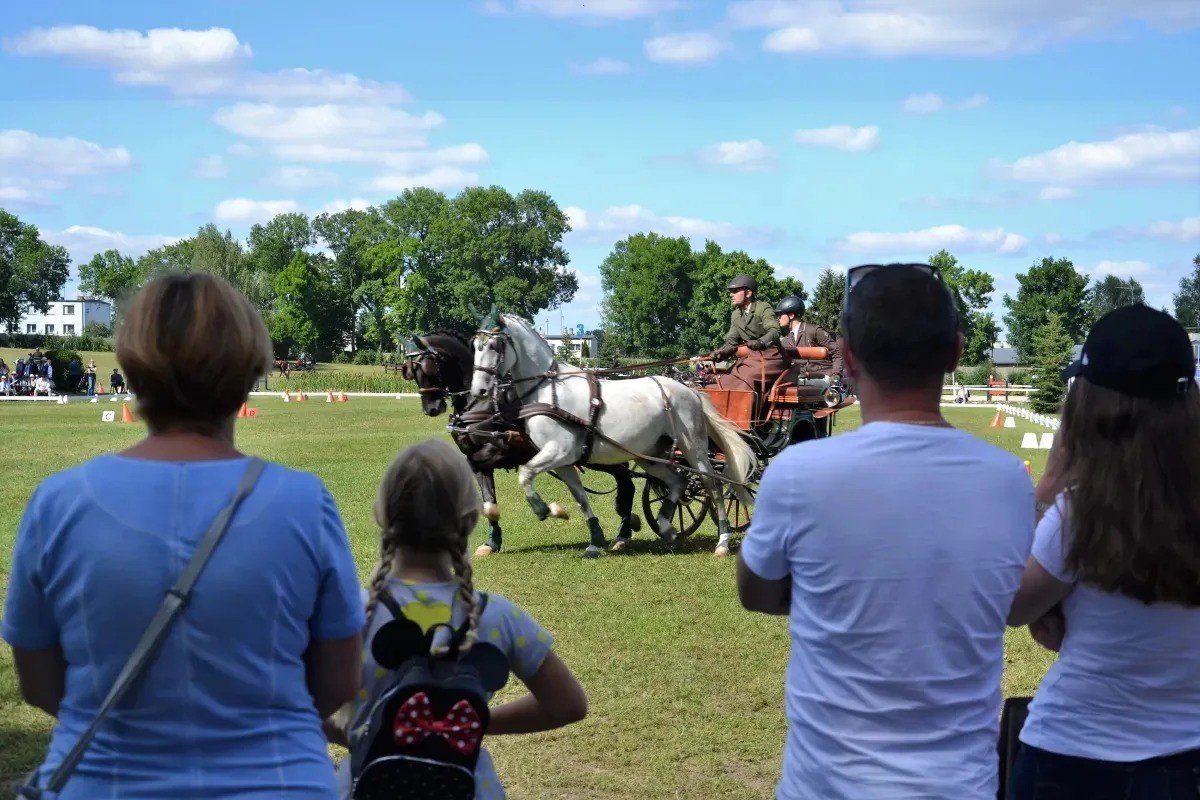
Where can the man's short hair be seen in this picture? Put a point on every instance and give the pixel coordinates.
(902, 326)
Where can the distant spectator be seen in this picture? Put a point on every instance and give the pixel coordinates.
(231, 706)
(115, 382)
(48, 369)
(42, 386)
(1118, 715)
(91, 378)
(896, 561)
(3, 369)
(75, 373)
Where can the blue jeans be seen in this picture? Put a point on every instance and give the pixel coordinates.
(91, 383)
(1042, 775)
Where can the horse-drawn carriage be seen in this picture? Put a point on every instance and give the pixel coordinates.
(286, 366)
(513, 405)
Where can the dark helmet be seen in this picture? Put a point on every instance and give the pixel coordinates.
(743, 282)
(790, 305)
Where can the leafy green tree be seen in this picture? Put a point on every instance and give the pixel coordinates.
(826, 307)
(643, 280)
(1112, 292)
(110, 275)
(972, 290)
(1051, 286)
(32, 272)
(348, 234)
(1187, 299)
(273, 245)
(175, 257)
(780, 288)
(306, 313)
(222, 254)
(1051, 352)
(708, 311)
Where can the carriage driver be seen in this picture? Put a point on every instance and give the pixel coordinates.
(753, 324)
(798, 333)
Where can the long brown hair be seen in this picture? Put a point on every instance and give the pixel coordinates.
(1133, 516)
(428, 502)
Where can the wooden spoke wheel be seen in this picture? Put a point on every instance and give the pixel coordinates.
(737, 512)
(694, 505)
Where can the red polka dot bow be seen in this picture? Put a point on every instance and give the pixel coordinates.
(415, 722)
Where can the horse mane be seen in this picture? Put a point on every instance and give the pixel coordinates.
(529, 328)
(450, 334)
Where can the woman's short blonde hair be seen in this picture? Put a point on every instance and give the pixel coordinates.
(192, 347)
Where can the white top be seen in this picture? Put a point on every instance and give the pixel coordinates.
(905, 545)
(1126, 686)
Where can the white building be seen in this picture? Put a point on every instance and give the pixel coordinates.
(591, 338)
(66, 317)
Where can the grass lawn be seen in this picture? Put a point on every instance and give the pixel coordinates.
(656, 636)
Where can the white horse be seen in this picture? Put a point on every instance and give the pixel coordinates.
(652, 417)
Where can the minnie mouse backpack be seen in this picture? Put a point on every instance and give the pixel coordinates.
(424, 733)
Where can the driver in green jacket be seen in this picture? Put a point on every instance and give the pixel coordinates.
(752, 323)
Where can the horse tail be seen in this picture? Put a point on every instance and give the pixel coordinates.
(740, 461)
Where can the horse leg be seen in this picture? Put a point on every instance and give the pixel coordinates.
(674, 483)
(698, 458)
(554, 454)
(491, 509)
(570, 476)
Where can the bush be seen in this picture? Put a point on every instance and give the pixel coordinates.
(341, 358)
(97, 330)
(61, 359)
(337, 381)
(1019, 377)
(30, 341)
(367, 357)
(975, 376)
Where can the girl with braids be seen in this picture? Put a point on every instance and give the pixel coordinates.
(426, 509)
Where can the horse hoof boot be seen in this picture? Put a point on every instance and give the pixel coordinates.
(592, 551)
(722, 549)
(619, 544)
(491, 511)
(485, 550)
(558, 512)
(635, 523)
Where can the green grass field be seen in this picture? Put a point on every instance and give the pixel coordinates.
(686, 689)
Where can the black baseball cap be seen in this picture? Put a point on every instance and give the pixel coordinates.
(1137, 351)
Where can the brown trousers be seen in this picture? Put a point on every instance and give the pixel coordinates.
(756, 372)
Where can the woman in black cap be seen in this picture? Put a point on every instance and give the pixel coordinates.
(1118, 715)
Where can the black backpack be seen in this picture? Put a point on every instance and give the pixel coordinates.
(425, 731)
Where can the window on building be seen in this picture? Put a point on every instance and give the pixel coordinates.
(69, 311)
(49, 329)
(30, 328)
(68, 330)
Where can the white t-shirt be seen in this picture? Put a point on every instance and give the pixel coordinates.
(1126, 686)
(905, 545)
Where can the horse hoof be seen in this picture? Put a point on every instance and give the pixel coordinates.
(491, 511)
(618, 545)
(722, 551)
(485, 550)
(558, 512)
(592, 551)
(635, 523)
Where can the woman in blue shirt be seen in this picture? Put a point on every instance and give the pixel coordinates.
(269, 645)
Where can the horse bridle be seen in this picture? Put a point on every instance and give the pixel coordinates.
(417, 361)
(497, 340)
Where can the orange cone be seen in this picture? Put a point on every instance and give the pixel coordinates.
(329, 397)
(242, 411)
(1028, 467)
(342, 398)
(287, 396)
(301, 397)
(99, 388)
(125, 415)
(997, 421)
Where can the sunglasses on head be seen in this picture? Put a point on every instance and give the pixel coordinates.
(854, 275)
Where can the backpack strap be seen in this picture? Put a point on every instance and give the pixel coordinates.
(390, 603)
(459, 635)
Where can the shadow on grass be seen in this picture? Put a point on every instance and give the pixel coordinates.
(638, 546)
(23, 750)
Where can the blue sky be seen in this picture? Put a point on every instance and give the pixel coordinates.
(808, 132)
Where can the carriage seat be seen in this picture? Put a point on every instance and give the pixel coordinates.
(792, 393)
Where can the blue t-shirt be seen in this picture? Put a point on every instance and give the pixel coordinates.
(224, 710)
(1126, 686)
(905, 545)
(503, 624)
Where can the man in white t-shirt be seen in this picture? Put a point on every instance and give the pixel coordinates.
(895, 551)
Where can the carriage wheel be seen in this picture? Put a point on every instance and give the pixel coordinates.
(694, 505)
(737, 512)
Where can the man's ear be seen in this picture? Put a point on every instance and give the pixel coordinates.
(849, 359)
(960, 342)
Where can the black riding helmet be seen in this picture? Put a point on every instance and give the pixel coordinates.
(790, 305)
(743, 282)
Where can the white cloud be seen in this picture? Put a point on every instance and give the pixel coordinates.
(932, 102)
(212, 167)
(840, 137)
(684, 48)
(363, 126)
(601, 66)
(299, 178)
(243, 211)
(440, 177)
(891, 28)
(1184, 230)
(29, 153)
(749, 155)
(617, 222)
(1052, 238)
(197, 63)
(952, 237)
(588, 10)
(340, 204)
(1121, 269)
(1053, 193)
(85, 241)
(1136, 158)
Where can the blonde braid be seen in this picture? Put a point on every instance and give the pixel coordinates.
(387, 554)
(464, 573)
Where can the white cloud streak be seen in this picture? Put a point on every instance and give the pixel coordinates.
(932, 102)
(28, 153)
(1183, 231)
(616, 222)
(951, 237)
(684, 48)
(439, 177)
(749, 155)
(1132, 159)
(298, 178)
(85, 241)
(602, 66)
(840, 137)
(589, 10)
(212, 167)
(244, 211)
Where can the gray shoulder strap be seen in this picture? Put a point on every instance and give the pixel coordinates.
(175, 601)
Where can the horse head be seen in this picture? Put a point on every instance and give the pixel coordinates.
(438, 363)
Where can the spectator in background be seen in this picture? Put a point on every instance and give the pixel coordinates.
(1118, 715)
(116, 383)
(75, 373)
(48, 369)
(898, 581)
(42, 385)
(91, 378)
(232, 705)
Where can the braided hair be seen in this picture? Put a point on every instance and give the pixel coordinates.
(427, 502)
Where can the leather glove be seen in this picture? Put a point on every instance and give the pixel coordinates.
(722, 353)
(755, 344)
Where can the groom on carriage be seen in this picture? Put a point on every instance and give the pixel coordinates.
(752, 324)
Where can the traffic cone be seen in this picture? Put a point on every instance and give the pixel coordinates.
(329, 397)
(99, 388)
(997, 420)
(1028, 467)
(287, 396)
(301, 397)
(242, 411)
(342, 398)
(125, 415)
